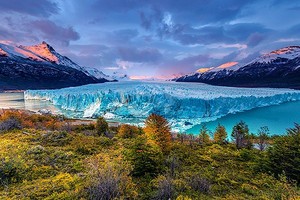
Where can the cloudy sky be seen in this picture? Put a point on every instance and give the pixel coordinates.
(153, 38)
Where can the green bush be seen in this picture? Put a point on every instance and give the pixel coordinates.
(102, 126)
(9, 172)
(145, 158)
(56, 138)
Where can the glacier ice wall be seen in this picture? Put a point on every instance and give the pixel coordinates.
(183, 104)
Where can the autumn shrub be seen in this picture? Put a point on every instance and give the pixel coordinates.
(53, 124)
(128, 131)
(109, 180)
(30, 120)
(10, 124)
(220, 134)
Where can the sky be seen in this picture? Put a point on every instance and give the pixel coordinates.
(153, 38)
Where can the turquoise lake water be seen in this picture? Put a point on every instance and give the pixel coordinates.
(277, 118)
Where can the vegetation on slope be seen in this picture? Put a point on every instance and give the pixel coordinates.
(47, 157)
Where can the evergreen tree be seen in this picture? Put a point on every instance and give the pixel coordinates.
(263, 135)
(203, 137)
(220, 134)
(284, 155)
(240, 134)
(145, 157)
(157, 129)
(101, 126)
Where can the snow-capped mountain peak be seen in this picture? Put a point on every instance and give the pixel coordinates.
(228, 66)
(43, 57)
(279, 68)
(98, 74)
(120, 76)
(48, 54)
(3, 53)
(44, 51)
(204, 69)
(289, 52)
(14, 52)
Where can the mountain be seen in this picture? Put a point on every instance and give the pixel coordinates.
(279, 68)
(99, 74)
(41, 67)
(120, 76)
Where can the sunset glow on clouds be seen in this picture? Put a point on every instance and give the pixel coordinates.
(153, 38)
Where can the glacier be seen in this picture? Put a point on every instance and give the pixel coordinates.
(183, 104)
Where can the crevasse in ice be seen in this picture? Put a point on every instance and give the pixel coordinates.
(183, 104)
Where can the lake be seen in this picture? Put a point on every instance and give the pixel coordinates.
(278, 118)
(16, 101)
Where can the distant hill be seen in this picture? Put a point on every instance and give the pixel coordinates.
(279, 68)
(41, 67)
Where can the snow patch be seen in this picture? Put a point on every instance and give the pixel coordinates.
(290, 52)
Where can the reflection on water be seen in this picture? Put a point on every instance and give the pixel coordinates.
(12, 100)
(16, 101)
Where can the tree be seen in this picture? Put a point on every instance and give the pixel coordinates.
(240, 132)
(191, 138)
(145, 158)
(128, 131)
(284, 155)
(220, 134)
(101, 126)
(204, 135)
(165, 187)
(263, 135)
(157, 129)
(199, 183)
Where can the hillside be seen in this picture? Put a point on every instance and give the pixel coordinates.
(41, 67)
(279, 68)
(50, 157)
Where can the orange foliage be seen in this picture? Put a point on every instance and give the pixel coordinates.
(128, 131)
(157, 129)
(30, 120)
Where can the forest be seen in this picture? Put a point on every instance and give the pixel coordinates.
(52, 157)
